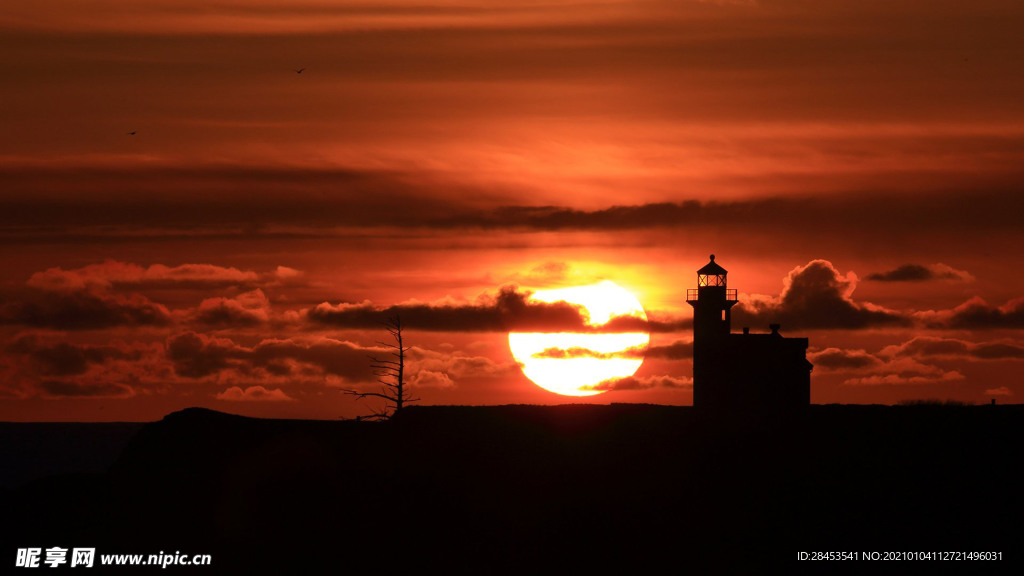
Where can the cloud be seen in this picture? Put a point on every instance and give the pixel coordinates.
(197, 356)
(454, 365)
(905, 380)
(997, 350)
(1001, 391)
(121, 17)
(655, 322)
(84, 311)
(247, 309)
(883, 368)
(509, 309)
(641, 383)
(59, 358)
(931, 346)
(68, 388)
(173, 201)
(839, 359)
(285, 274)
(898, 371)
(907, 363)
(769, 215)
(445, 369)
(580, 352)
(111, 274)
(254, 394)
(346, 360)
(547, 274)
(46, 364)
(92, 297)
(919, 273)
(337, 363)
(431, 379)
(183, 202)
(976, 314)
(816, 295)
(677, 350)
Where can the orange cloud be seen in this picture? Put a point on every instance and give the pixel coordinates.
(642, 383)
(976, 314)
(248, 309)
(816, 295)
(920, 273)
(254, 394)
(113, 273)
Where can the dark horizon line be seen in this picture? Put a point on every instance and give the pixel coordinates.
(922, 403)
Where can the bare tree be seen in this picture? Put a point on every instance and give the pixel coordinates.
(390, 373)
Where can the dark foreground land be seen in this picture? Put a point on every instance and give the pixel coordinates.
(526, 489)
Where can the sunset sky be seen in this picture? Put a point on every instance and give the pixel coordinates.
(188, 221)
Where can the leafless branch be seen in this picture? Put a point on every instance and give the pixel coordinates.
(390, 374)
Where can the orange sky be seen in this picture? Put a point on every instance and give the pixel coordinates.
(431, 153)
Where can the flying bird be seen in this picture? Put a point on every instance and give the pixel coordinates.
(299, 71)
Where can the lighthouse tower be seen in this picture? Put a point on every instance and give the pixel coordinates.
(712, 302)
(744, 372)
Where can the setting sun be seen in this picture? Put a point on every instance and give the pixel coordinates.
(576, 364)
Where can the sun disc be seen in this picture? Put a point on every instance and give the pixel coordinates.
(575, 364)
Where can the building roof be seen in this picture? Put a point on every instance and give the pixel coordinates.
(712, 269)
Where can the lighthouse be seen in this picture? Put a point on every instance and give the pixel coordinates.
(746, 371)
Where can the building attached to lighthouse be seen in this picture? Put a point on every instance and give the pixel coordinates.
(763, 372)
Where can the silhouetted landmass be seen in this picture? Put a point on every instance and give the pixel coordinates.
(31, 450)
(538, 489)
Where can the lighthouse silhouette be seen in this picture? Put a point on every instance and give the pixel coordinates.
(741, 372)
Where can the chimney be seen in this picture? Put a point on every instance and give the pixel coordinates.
(775, 328)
